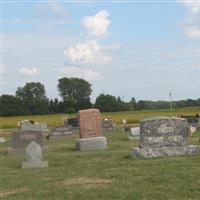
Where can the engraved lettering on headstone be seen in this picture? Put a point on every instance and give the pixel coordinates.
(165, 129)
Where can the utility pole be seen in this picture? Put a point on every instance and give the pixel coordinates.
(170, 100)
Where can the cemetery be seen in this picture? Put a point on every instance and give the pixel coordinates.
(95, 162)
(100, 100)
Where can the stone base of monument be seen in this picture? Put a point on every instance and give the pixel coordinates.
(148, 152)
(38, 164)
(94, 143)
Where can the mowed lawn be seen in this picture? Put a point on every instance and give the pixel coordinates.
(100, 175)
(131, 117)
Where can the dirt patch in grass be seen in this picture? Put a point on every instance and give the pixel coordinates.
(88, 182)
(14, 191)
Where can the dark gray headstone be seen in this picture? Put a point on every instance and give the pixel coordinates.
(20, 139)
(107, 125)
(164, 136)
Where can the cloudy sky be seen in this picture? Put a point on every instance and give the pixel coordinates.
(128, 49)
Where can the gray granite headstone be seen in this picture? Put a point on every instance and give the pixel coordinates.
(20, 139)
(107, 125)
(61, 132)
(39, 126)
(34, 156)
(164, 136)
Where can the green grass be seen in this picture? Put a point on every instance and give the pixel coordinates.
(100, 175)
(131, 117)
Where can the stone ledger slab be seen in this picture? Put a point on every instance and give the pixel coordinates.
(164, 136)
(94, 143)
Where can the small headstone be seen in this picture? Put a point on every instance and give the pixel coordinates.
(164, 136)
(2, 140)
(61, 132)
(107, 125)
(34, 156)
(134, 133)
(20, 139)
(90, 131)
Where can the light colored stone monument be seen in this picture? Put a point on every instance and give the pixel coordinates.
(34, 156)
(2, 140)
(90, 131)
(164, 136)
(134, 133)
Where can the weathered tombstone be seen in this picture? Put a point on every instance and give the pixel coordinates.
(39, 126)
(134, 133)
(90, 131)
(107, 125)
(2, 140)
(164, 136)
(61, 132)
(34, 156)
(20, 139)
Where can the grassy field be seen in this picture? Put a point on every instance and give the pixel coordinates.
(100, 175)
(131, 117)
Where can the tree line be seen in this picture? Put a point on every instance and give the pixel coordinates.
(75, 95)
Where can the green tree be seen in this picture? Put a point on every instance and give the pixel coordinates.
(75, 93)
(12, 106)
(33, 95)
(133, 103)
(106, 103)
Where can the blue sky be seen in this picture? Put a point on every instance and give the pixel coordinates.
(130, 49)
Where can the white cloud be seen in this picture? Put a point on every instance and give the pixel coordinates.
(86, 74)
(192, 5)
(192, 20)
(89, 52)
(192, 32)
(97, 25)
(28, 71)
(51, 8)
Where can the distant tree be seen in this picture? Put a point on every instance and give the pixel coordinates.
(75, 93)
(106, 103)
(141, 105)
(12, 106)
(33, 95)
(133, 102)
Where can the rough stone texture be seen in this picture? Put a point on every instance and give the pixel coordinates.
(20, 139)
(89, 123)
(34, 156)
(163, 131)
(134, 133)
(165, 151)
(94, 143)
(164, 136)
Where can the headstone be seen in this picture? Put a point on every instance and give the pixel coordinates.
(38, 126)
(164, 136)
(73, 122)
(193, 120)
(20, 139)
(61, 132)
(34, 156)
(2, 140)
(134, 133)
(90, 131)
(107, 125)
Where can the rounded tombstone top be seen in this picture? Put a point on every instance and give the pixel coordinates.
(91, 110)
